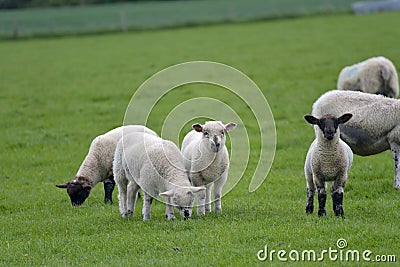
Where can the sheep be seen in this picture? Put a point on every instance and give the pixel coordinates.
(376, 75)
(97, 165)
(207, 161)
(328, 159)
(154, 165)
(374, 127)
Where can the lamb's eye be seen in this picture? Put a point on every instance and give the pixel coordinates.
(222, 133)
(206, 134)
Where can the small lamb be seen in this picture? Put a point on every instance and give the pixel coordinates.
(97, 165)
(154, 165)
(376, 75)
(207, 161)
(328, 159)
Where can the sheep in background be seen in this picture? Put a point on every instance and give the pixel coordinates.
(328, 159)
(154, 165)
(207, 161)
(97, 165)
(375, 75)
(374, 127)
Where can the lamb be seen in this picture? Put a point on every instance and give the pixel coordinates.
(97, 165)
(155, 165)
(207, 161)
(374, 127)
(375, 75)
(328, 159)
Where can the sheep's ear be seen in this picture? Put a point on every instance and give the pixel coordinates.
(230, 126)
(311, 119)
(62, 185)
(197, 127)
(168, 193)
(196, 189)
(345, 117)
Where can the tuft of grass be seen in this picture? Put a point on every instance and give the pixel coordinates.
(56, 95)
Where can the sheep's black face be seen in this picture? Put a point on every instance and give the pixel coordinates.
(78, 193)
(328, 126)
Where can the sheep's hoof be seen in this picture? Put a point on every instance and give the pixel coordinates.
(146, 218)
(339, 210)
(127, 214)
(321, 212)
(108, 201)
(309, 209)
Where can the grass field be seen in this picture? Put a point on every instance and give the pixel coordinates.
(151, 15)
(56, 95)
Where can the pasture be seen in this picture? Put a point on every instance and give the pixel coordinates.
(57, 94)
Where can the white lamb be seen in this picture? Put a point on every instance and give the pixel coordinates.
(155, 165)
(328, 160)
(207, 161)
(374, 127)
(97, 165)
(375, 75)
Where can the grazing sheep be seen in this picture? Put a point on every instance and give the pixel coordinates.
(328, 159)
(374, 127)
(97, 165)
(155, 165)
(375, 75)
(207, 161)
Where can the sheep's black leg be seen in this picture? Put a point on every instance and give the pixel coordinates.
(109, 185)
(337, 198)
(321, 201)
(310, 201)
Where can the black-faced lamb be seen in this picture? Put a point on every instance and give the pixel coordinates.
(207, 161)
(154, 165)
(328, 160)
(97, 165)
(374, 127)
(376, 75)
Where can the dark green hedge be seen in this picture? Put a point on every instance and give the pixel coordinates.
(37, 3)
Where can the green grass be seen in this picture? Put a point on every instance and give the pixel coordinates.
(150, 15)
(56, 95)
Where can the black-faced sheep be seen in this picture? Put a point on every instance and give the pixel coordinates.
(328, 160)
(97, 165)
